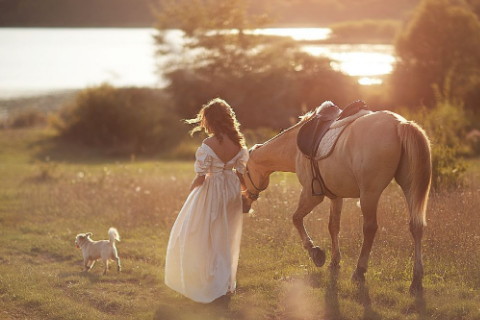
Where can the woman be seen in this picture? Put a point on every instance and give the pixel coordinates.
(204, 245)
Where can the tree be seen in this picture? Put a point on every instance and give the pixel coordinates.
(214, 33)
(266, 79)
(439, 48)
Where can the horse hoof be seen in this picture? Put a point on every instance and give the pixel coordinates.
(318, 256)
(416, 289)
(358, 276)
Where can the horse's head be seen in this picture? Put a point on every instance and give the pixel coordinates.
(256, 181)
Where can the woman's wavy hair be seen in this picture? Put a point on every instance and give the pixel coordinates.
(218, 118)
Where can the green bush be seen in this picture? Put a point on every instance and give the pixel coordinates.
(447, 167)
(121, 120)
(24, 118)
(445, 125)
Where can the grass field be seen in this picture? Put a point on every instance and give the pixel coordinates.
(44, 204)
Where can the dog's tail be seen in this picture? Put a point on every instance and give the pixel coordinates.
(113, 235)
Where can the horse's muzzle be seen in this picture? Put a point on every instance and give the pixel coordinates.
(246, 204)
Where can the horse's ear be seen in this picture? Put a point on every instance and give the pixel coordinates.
(89, 234)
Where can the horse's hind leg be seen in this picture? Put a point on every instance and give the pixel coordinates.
(417, 233)
(305, 206)
(368, 203)
(334, 229)
(416, 228)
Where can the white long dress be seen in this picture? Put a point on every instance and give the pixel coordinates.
(204, 245)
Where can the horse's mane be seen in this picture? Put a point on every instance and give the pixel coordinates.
(304, 118)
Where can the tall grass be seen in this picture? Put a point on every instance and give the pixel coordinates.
(40, 270)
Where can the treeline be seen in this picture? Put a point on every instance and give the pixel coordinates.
(271, 81)
(325, 12)
(140, 13)
(76, 13)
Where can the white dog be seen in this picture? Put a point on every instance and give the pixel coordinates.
(95, 250)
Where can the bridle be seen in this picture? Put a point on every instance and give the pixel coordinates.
(251, 195)
(254, 196)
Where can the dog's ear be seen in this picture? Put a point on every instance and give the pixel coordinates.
(89, 234)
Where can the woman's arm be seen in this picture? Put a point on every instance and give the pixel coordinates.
(198, 181)
(242, 181)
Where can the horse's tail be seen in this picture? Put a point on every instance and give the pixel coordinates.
(414, 173)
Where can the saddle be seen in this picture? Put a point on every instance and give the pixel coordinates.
(311, 133)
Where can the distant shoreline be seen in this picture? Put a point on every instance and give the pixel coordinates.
(338, 39)
(76, 27)
(284, 25)
(43, 77)
(22, 94)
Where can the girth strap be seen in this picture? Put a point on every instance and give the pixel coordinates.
(308, 140)
(316, 175)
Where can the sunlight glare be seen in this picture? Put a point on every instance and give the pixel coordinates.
(368, 81)
(357, 61)
(363, 64)
(297, 34)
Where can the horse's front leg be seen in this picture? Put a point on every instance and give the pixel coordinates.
(305, 206)
(334, 229)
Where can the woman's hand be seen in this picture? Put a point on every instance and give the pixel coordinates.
(243, 186)
(198, 181)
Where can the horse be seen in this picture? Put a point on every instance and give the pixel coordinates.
(371, 151)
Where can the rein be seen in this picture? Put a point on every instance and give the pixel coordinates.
(251, 195)
(254, 196)
(282, 132)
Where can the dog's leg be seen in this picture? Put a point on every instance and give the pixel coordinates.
(89, 264)
(117, 259)
(85, 262)
(106, 267)
(119, 265)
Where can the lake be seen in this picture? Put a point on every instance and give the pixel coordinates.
(38, 60)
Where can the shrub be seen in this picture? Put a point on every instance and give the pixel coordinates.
(24, 118)
(445, 125)
(447, 167)
(121, 120)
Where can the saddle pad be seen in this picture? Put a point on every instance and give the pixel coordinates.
(330, 138)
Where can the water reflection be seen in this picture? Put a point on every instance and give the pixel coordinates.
(297, 34)
(36, 59)
(45, 59)
(360, 60)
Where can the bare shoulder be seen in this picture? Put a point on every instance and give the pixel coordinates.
(212, 142)
(226, 150)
